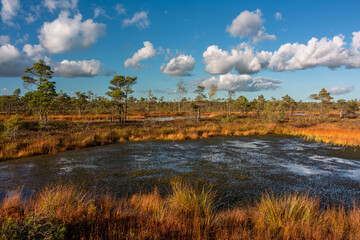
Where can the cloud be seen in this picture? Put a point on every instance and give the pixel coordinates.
(120, 9)
(9, 10)
(140, 20)
(99, 11)
(65, 33)
(33, 13)
(179, 66)
(51, 5)
(278, 16)
(146, 52)
(4, 90)
(12, 63)
(22, 40)
(73, 69)
(249, 24)
(241, 83)
(356, 41)
(243, 58)
(341, 90)
(34, 50)
(325, 52)
(4, 39)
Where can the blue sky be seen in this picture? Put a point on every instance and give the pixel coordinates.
(251, 47)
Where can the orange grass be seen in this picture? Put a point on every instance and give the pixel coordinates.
(338, 133)
(343, 132)
(65, 212)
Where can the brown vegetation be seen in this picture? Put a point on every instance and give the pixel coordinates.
(62, 135)
(65, 212)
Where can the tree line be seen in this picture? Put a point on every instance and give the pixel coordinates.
(42, 99)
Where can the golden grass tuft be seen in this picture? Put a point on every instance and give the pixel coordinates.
(62, 200)
(278, 211)
(185, 200)
(152, 204)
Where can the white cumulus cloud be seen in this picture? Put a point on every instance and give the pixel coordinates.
(66, 33)
(4, 90)
(243, 58)
(148, 51)
(356, 41)
(9, 10)
(12, 63)
(331, 53)
(34, 50)
(73, 69)
(241, 83)
(324, 52)
(249, 24)
(341, 90)
(179, 66)
(140, 20)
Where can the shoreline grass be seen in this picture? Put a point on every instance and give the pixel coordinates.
(66, 212)
(71, 135)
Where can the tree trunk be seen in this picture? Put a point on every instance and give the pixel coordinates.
(123, 113)
(342, 113)
(45, 119)
(41, 113)
(229, 110)
(119, 114)
(126, 108)
(198, 114)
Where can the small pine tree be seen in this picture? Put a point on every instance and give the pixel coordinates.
(11, 126)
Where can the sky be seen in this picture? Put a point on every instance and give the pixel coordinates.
(265, 47)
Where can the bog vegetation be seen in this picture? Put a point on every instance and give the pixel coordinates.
(44, 120)
(67, 212)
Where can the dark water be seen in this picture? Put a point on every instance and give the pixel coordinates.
(238, 168)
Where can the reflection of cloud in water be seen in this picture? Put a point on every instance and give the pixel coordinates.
(30, 165)
(143, 158)
(68, 168)
(354, 174)
(252, 145)
(64, 160)
(303, 170)
(334, 160)
(180, 146)
(214, 155)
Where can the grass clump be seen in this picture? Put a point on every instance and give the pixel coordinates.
(277, 211)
